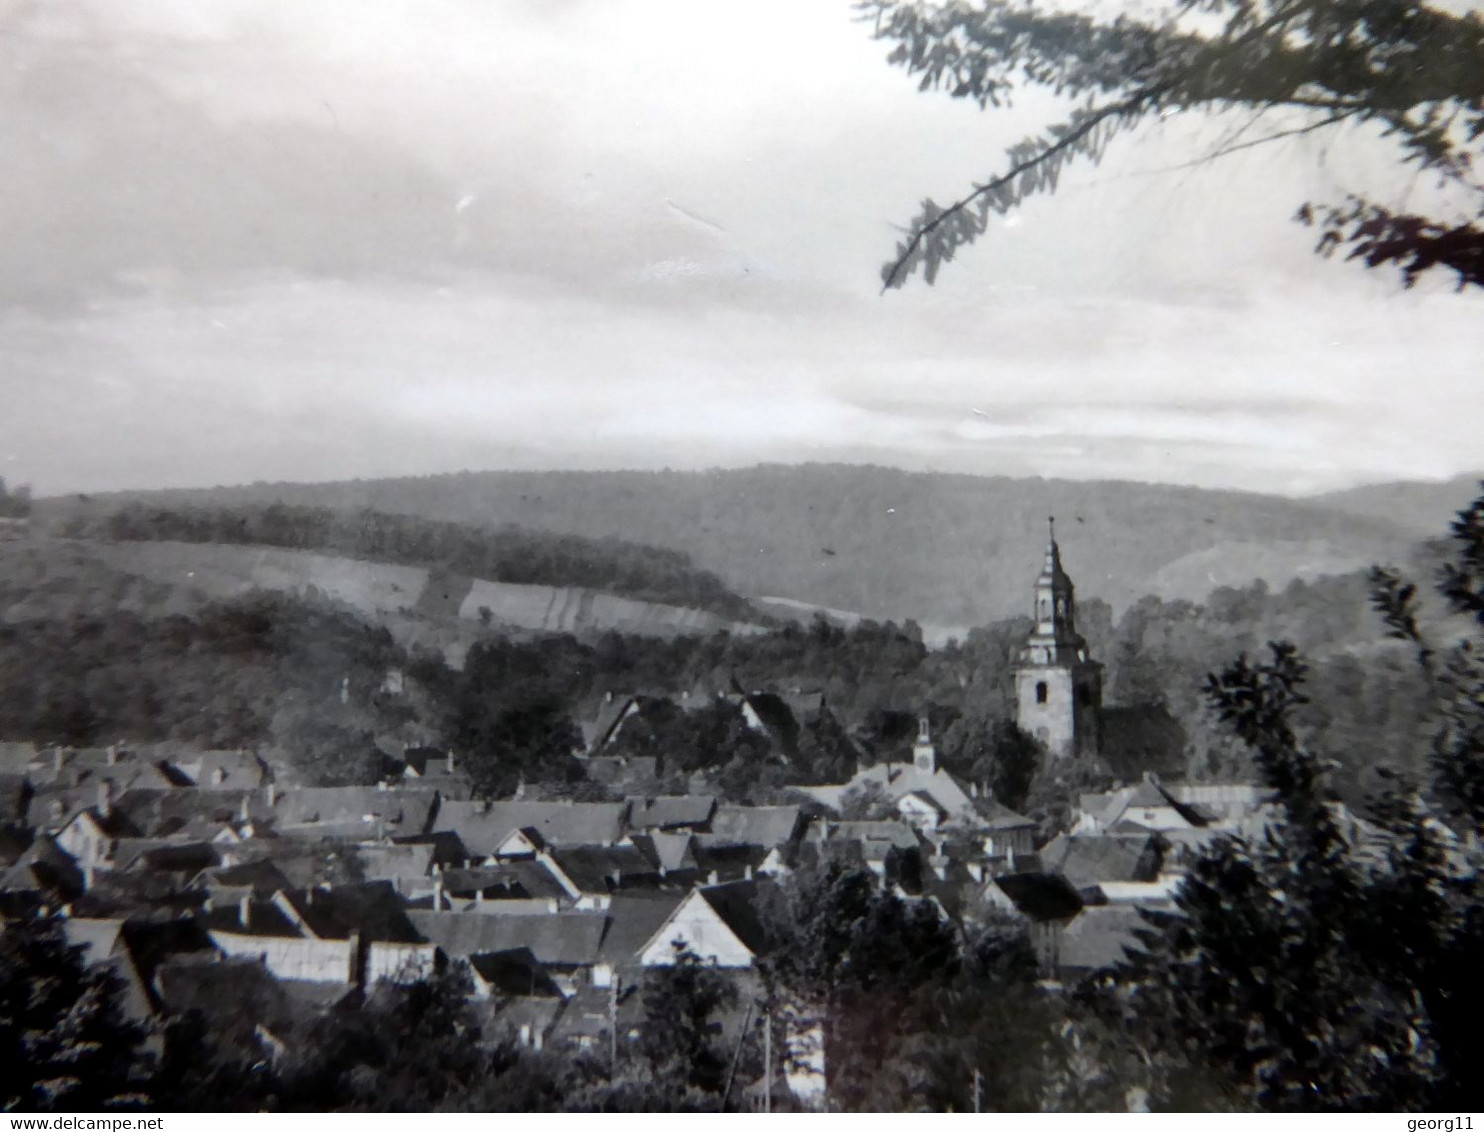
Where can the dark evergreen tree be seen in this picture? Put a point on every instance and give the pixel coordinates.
(681, 1035)
(1325, 964)
(65, 1041)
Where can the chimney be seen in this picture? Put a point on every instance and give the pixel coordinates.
(450, 760)
(438, 894)
(711, 877)
(244, 813)
(520, 788)
(747, 872)
(87, 877)
(479, 895)
(270, 792)
(382, 786)
(244, 911)
(58, 759)
(105, 798)
(219, 775)
(608, 697)
(353, 974)
(113, 754)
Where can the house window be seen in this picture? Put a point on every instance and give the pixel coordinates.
(1041, 692)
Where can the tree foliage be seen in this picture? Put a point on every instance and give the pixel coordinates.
(65, 1041)
(1324, 962)
(496, 554)
(1411, 72)
(15, 503)
(681, 1035)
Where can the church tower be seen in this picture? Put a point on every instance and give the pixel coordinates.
(924, 754)
(1058, 687)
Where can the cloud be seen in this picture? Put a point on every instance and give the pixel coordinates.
(253, 241)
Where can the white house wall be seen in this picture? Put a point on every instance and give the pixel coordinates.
(696, 924)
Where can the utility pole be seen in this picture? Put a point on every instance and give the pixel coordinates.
(613, 1028)
(768, 1061)
(737, 1054)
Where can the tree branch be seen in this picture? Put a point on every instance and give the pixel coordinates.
(1071, 138)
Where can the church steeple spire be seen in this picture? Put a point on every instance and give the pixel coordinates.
(1058, 686)
(1054, 608)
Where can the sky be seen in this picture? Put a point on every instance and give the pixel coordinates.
(243, 240)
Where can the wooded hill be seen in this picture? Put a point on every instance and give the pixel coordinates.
(952, 550)
(460, 554)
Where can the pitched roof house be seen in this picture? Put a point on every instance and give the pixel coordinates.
(719, 924)
(767, 826)
(483, 826)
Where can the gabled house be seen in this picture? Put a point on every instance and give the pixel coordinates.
(564, 948)
(484, 826)
(250, 1012)
(1147, 806)
(601, 728)
(1088, 860)
(676, 857)
(921, 810)
(598, 871)
(873, 840)
(222, 770)
(719, 924)
(671, 812)
(508, 888)
(1047, 901)
(348, 934)
(1006, 834)
(633, 918)
(765, 826)
(103, 945)
(430, 767)
(228, 885)
(355, 813)
(408, 867)
(1097, 939)
(44, 875)
(92, 834)
(895, 781)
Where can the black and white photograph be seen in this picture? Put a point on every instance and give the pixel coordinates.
(810, 556)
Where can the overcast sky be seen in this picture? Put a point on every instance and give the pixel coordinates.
(244, 239)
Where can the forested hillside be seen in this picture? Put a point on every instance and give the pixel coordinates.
(126, 657)
(948, 549)
(1423, 507)
(493, 553)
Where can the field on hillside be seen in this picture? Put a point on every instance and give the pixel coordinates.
(948, 550)
(379, 590)
(422, 607)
